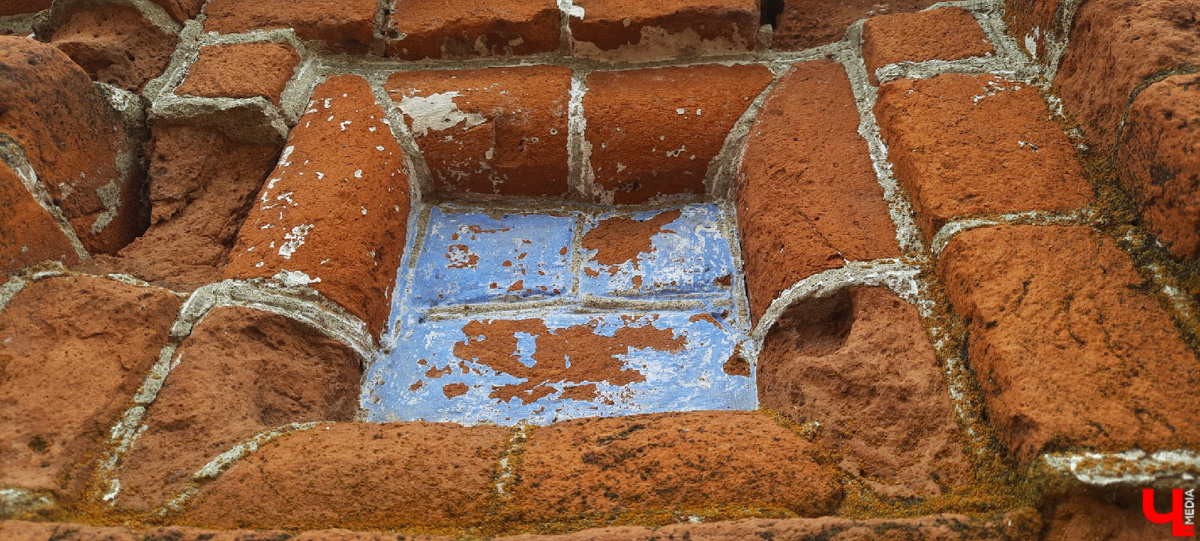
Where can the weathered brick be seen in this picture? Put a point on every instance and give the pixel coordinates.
(333, 214)
(939, 34)
(17, 7)
(345, 26)
(421, 29)
(1159, 160)
(972, 145)
(241, 70)
(654, 131)
(240, 372)
(74, 352)
(404, 475)
(806, 171)
(73, 140)
(1091, 517)
(809, 23)
(28, 234)
(1068, 350)
(115, 44)
(859, 362)
(1031, 22)
(181, 10)
(667, 29)
(489, 131)
(1115, 45)
(670, 461)
(202, 185)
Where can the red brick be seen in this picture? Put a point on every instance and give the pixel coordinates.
(202, 185)
(28, 234)
(653, 131)
(18, 7)
(345, 26)
(72, 139)
(1069, 350)
(404, 475)
(241, 70)
(75, 351)
(1031, 21)
(973, 145)
(181, 10)
(115, 44)
(240, 372)
(335, 212)
(1083, 517)
(807, 194)
(1159, 160)
(1115, 44)
(809, 23)
(860, 363)
(670, 461)
(608, 25)
(420, 29)
(939, 34)
(509, 131)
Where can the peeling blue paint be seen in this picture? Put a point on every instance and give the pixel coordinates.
(469, 347)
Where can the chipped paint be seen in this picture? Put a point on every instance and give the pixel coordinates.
(437, 112)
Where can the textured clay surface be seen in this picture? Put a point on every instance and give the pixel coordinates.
(16, 7)
(202, 185)
(359, 475)
(490, 131)
(420, 29)
(860, 364)
(1115, 45)
(1069, 350)
(115, 45)
(973, 145)
(1030, 21)
(57, 353)
(1159, 161)
(73, 141)
(654, 131)
(332, 215)
(1021, 524)
(240, 372)
(940, 34)
(241, 70)
(809, 23)
(181, 10)
(819, 186)
(1083, 517)
(693, 26)
(681, 461)
(344, 26)
(28, 234)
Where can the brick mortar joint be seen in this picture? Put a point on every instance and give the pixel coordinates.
(13, 155)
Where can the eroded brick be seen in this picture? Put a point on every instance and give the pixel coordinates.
(115, 44)
(1115, 45)
(665, 29)
(805, 170)
(332, 214)
(17, 7)
(1031, 22)
(404, 475)
(28, 233)
(181, 10)
(241, 70)
(974, 145)
(1091, 517)
(1068, 349)
(202, 185)
(675, 461)
(1159, 161)
(73, 140)
(940, 34)
(654, 131)
(809, 23)
(240, 372)
(860, 364)
(421, 29)
(344, 26)
(489, 131)
(68, 374)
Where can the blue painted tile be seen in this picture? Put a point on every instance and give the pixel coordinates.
(470, 257)
(687, 254)
(548, 366)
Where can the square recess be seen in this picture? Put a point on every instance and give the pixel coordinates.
(508, 317)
